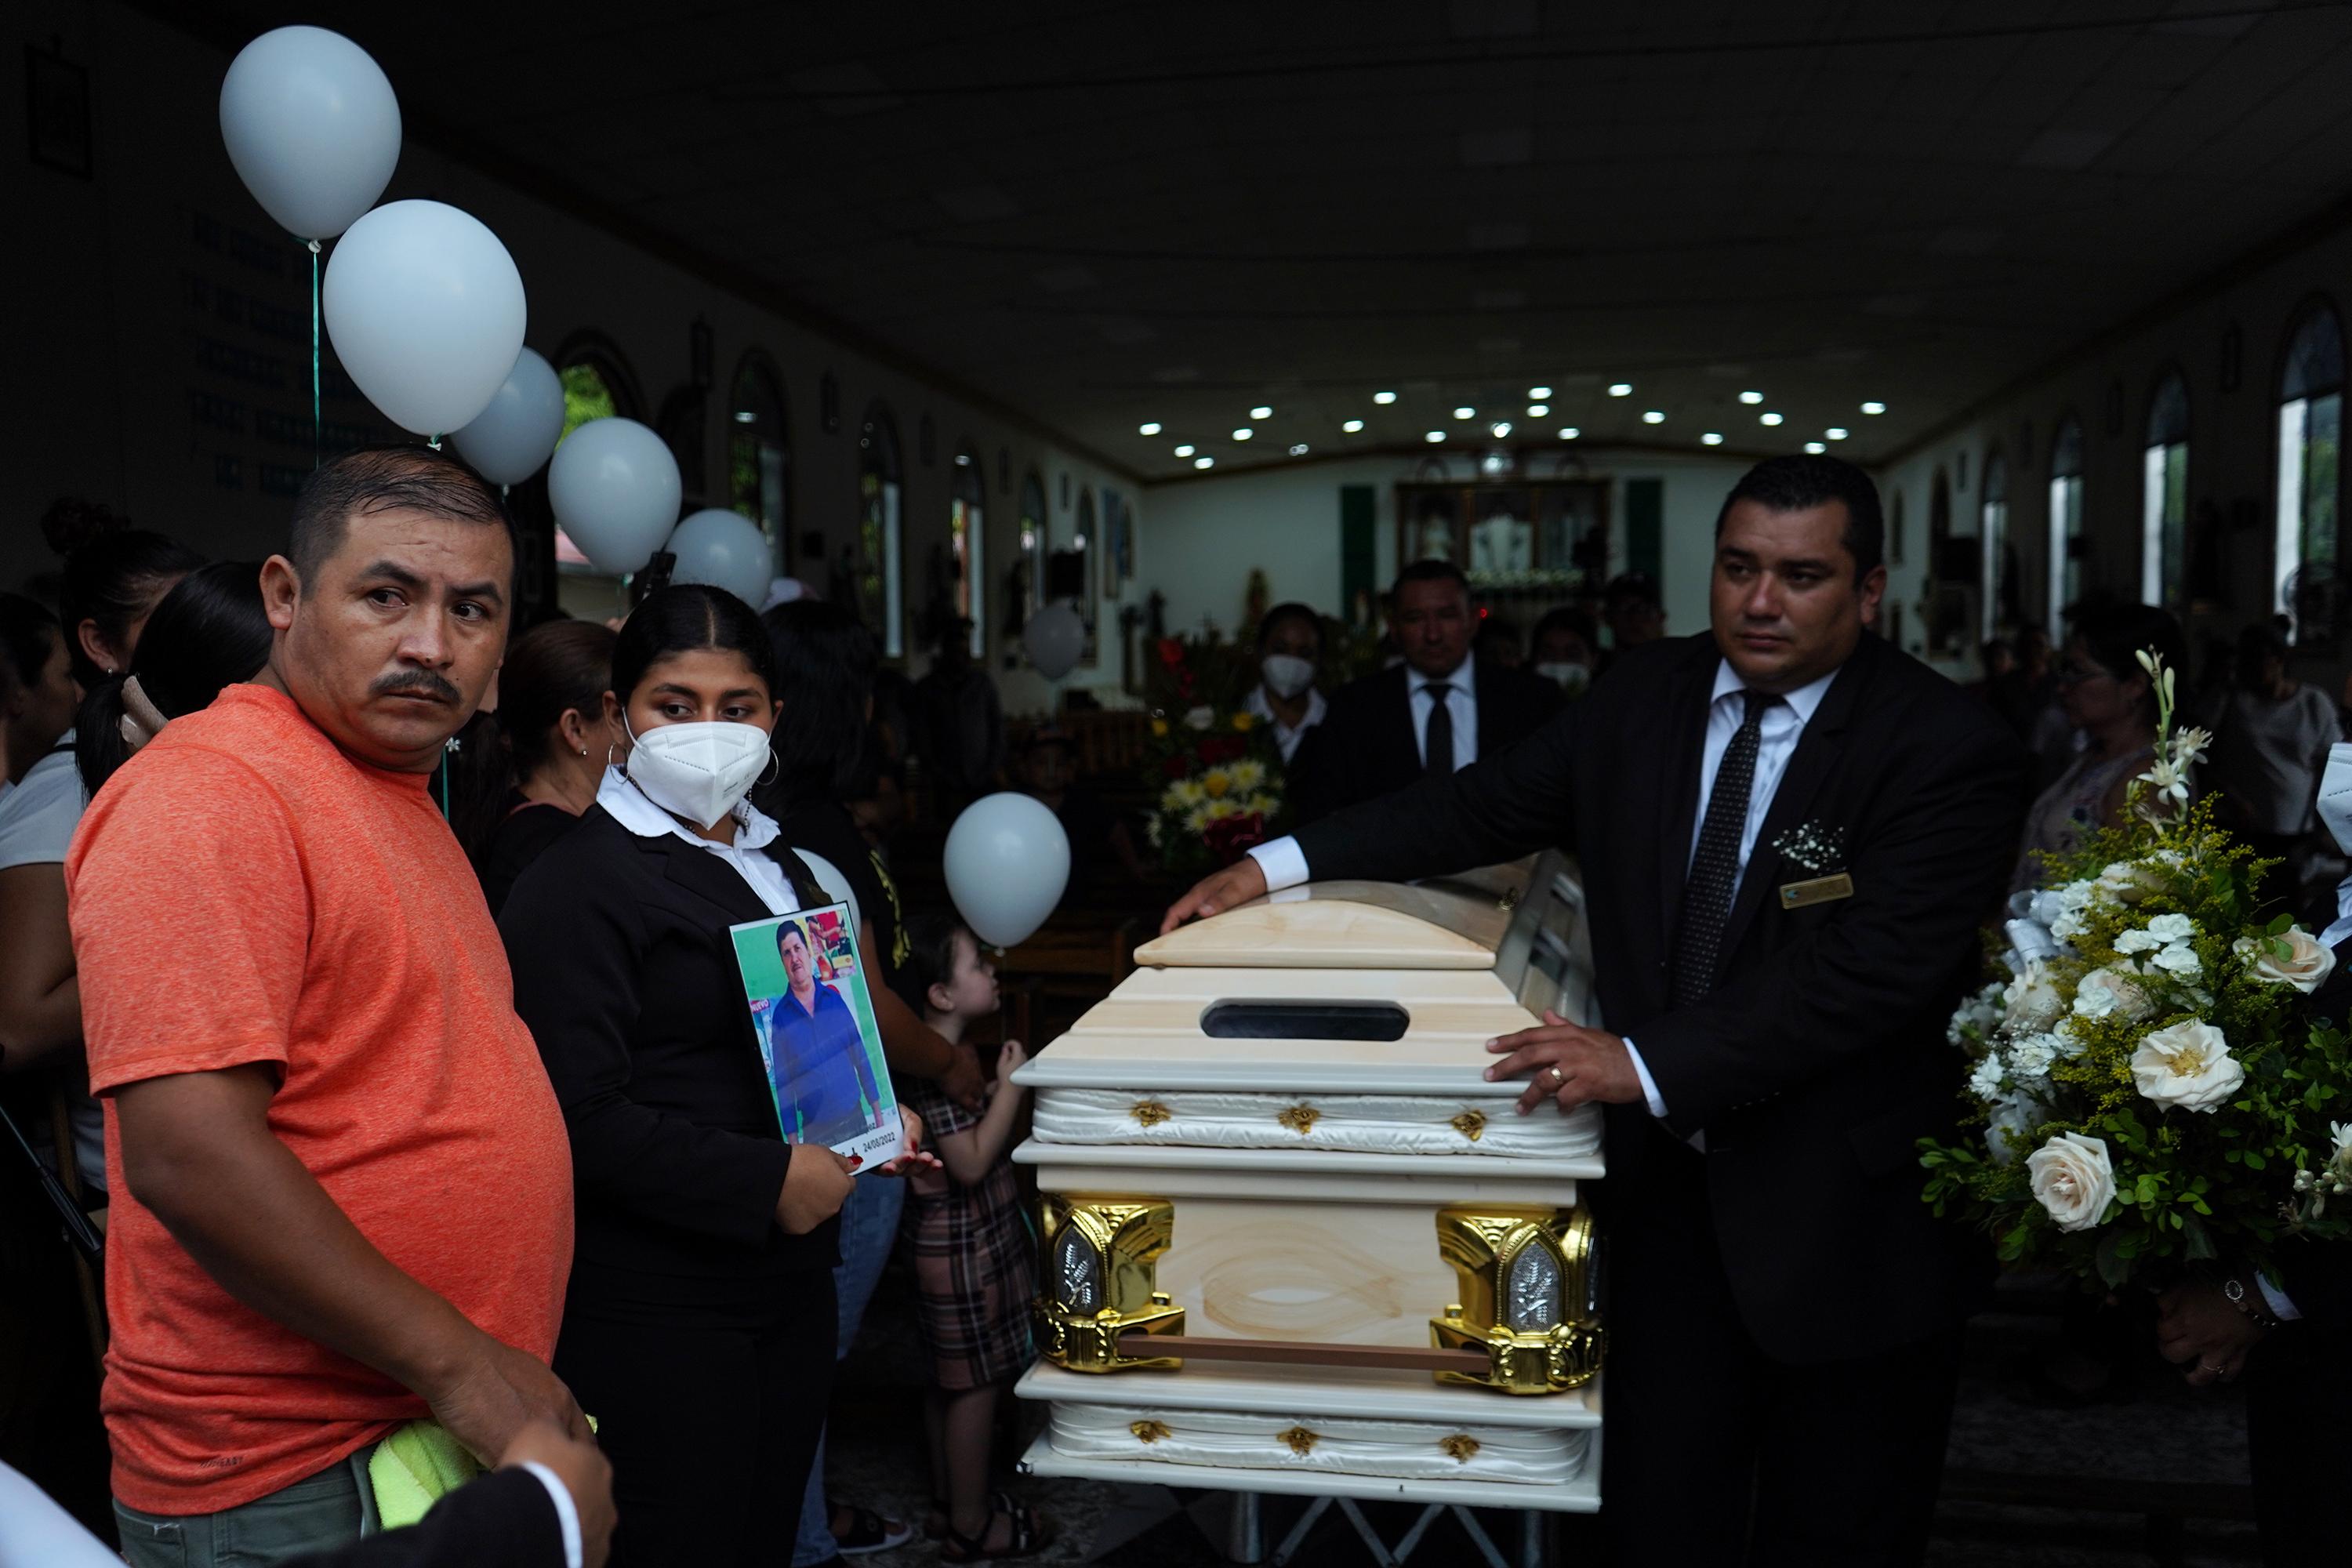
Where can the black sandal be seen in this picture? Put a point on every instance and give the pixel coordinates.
(935, 1523)
(1028, 1536)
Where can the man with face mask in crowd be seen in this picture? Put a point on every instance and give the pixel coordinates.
(1290, 646)
(343, 1188)
(1567, 646)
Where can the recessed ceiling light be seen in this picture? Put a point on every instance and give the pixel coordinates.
(1538, 393)
(745, 417)
(963, 459)
(1204, 462)
(1537, 410)
(1464, 412)
(1767, 419)
(1434, 436)
(1262, 412)
(1501, 427)
(1710, 439)
(1835, 432)
(1149, 427)
(1298, 450)
(1654, 416)
(1183, 451)
(1751, 397)
(1815, 447)
(1873, 407)
(1352, 425)
(1244, 433)
(1384, 397)
(1621, 389)
(1570, 433)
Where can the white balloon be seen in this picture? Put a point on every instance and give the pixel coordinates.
(508, 440)
(1054, 638)
(425, 311)
(726, 549)
(1007, 863)
(312, 127)
(614, 487)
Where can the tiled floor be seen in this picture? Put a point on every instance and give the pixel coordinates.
(2004, 1437)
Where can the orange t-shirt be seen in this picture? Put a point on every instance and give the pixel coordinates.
(243, 891)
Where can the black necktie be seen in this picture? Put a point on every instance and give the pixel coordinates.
(1437, 741)
(1715, 865)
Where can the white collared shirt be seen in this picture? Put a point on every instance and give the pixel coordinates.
(1781, 726)
(1461, 702)
(754, 830)
(1258, 705)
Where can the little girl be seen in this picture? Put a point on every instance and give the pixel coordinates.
(972, 1265)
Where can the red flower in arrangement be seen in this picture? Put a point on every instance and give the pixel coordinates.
(1222, 748)
(1176, 767)
(1230, 838)
(1172, 652)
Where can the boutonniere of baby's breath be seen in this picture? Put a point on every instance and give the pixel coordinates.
(1812, 845)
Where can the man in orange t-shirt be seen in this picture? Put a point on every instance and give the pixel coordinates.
(342, 1189)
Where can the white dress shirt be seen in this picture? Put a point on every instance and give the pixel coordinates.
(1783, 724)
(1258, 706)
(1461, 702)
(754, 830)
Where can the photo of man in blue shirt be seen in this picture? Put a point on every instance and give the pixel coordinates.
(825, 1090)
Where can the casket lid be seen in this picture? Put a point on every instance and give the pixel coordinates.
(1456, 922)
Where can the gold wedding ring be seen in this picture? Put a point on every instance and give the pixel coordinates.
(1559, 1079)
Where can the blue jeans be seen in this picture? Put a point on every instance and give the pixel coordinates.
(869, 1226)
(331, 1509)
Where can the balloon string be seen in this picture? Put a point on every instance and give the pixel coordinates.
(434, 442)
(318, 429)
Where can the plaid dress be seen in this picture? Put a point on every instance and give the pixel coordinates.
(974, 1274)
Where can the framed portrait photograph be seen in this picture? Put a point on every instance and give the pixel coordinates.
(819, 1043)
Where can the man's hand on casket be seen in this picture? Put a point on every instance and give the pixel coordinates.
(1237, 884)
(1570, 1065)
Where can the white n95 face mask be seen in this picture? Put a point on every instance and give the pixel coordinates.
(1570, 677)
(1287, 675)
(699, 771)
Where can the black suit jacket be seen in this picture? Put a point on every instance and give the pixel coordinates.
(624, 972)
(1367, 746)
(1820, 1060)
(504, 1519)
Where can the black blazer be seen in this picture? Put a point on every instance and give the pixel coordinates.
(504, 1519)
(623, 970)
(1367, 746)
(1820, 1060)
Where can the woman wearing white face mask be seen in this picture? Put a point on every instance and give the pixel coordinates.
(698, 1324)
(1289, 642)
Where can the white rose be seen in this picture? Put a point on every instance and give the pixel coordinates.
(2179, 961)
(2305, 967)
(2132, 942)
(2127, 883)
(2186, 1067)
(2102, 992)
(2072, 1179)
(2031, 1001)
(2010, 1122)
(2172, 928)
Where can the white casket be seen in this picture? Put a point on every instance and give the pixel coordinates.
(1292, 1240)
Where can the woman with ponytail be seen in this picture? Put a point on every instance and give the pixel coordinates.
(113, 577)
(208, 632)
(552, 715)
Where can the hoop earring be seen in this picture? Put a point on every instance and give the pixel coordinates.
(775, 772)
(608, 752)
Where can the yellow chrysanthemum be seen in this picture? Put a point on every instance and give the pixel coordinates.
(1215, 783)
(1242, 722)
(1160, 728)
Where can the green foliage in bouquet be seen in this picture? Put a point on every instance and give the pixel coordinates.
(2148, 1086)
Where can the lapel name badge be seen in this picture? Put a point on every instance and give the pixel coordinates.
(1820, 890)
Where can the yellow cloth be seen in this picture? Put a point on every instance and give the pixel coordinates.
(415, 1467)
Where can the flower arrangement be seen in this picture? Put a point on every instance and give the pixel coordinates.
(1215, 774)
(2146, 1087)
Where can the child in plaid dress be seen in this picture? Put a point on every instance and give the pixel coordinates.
(973, 1271)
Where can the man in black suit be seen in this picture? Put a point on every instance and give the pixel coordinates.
(1377, 738)
(1788, 833)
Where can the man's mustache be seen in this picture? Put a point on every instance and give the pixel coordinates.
(416, 683)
